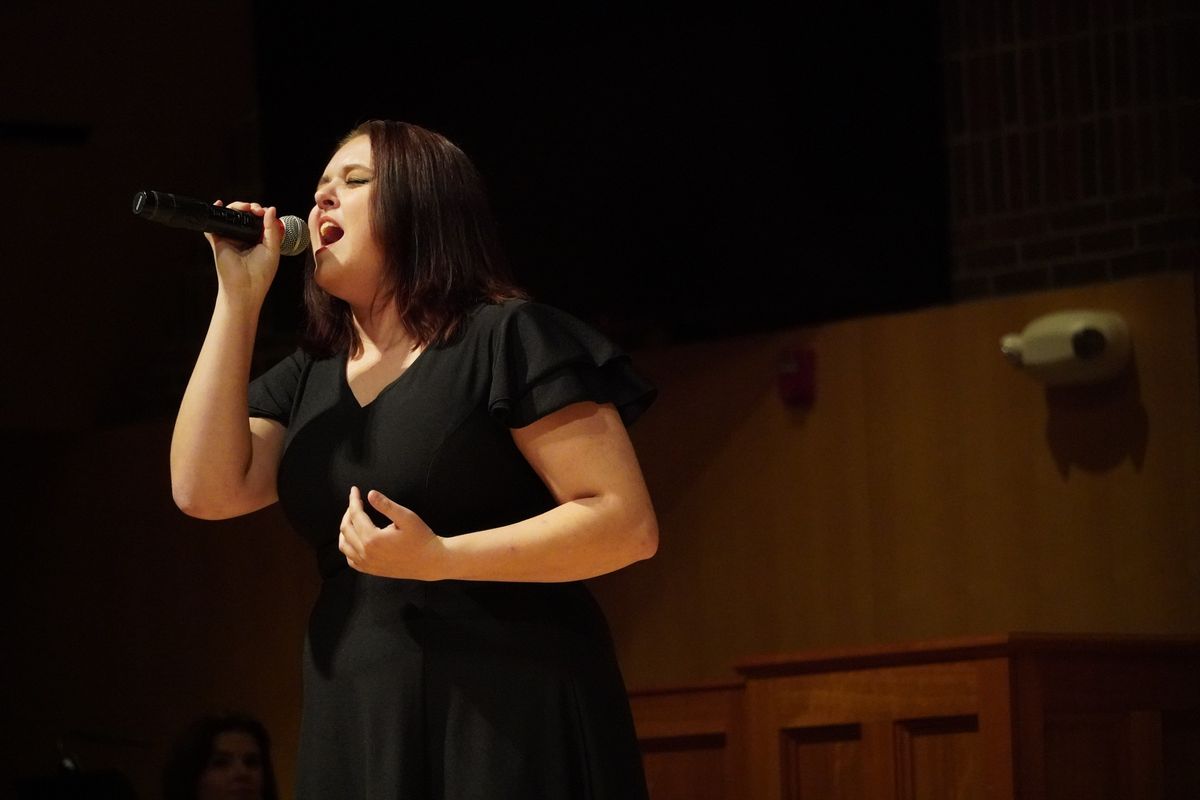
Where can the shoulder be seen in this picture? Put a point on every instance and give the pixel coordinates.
(297, 369)
(490, 316)
(527, 323)
(301, 358)
(505, 311)
(273, 394)
(296, 364)
(293, 364)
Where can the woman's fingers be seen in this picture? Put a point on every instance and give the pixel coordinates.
(397, 513)
(272, 230)
(350, 540)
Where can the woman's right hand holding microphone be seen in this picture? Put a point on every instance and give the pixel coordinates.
(247, 270)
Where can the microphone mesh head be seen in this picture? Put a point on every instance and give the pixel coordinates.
(295, 236)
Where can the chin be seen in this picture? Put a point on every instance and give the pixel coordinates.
(325, 276)
(333, 280)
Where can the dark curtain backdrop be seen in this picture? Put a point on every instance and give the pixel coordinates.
(669, 177)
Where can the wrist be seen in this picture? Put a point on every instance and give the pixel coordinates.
(239, 303)
(450, 557)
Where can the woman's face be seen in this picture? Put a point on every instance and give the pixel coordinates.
(234, 770)
(349, 259)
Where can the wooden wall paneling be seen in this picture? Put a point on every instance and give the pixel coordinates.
(1083, 755)
(1029, 763)
(1035, 716)
(909, 731)
(939, 757)
(879, 736)
(686, 768)
(823, 761)
(691, 741)
(995, 709)
(764, 748)
(931, 491)
(1181, 754)
(1144, 744)
(1104, 719)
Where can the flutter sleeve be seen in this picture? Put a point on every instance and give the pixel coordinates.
(273, 394)
(545, 359)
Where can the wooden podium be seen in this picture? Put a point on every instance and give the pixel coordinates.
(1030, 716)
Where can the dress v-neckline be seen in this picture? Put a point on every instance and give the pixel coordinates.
(345, 366)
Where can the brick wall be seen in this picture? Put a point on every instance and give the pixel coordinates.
(1073, 129)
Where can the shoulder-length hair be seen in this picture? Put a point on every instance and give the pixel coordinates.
(190, 754)
(431, 217)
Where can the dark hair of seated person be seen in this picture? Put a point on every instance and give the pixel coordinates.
(195, 753)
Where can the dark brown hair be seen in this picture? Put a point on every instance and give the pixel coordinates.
(431, 217)
(190, 754)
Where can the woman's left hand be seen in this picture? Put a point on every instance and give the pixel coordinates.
(407, 548)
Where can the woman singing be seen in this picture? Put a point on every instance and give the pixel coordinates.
(457, 457)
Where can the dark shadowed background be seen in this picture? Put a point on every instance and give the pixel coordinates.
(669, 176)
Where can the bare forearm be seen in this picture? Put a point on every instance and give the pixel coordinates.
(211, 448)
(577, 540)
(604, 519)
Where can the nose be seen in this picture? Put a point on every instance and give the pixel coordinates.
(325, 196)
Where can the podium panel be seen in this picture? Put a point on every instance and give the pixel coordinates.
(1034, 716)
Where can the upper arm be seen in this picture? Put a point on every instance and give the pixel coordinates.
(583, 450)
(234, 489)
(266, 442)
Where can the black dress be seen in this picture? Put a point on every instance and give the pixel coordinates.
(452, 689)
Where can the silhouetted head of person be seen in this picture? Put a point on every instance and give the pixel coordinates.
(221, 757)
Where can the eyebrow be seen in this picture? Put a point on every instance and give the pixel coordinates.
(346, 168)
(222, 753)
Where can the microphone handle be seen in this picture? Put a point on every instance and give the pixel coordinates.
(196, 215)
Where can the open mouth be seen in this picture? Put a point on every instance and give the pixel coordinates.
(330, 233)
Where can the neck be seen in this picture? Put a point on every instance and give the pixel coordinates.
(381, 330)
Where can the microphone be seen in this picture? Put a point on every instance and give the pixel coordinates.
(197, 215)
